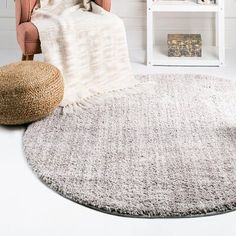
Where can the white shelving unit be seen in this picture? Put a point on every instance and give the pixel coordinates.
(212, 55)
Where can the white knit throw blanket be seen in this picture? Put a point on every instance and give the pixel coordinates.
(87, 44)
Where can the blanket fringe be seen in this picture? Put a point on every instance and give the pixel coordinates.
(97, 98)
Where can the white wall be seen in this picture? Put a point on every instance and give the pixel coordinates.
(7, 24)
(6, 7)
(133, 13)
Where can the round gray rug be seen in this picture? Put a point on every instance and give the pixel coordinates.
(166, 148)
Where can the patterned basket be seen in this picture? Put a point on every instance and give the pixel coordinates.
(29, 91)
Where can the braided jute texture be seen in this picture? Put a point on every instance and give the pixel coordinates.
(167, 148)
(29, 91)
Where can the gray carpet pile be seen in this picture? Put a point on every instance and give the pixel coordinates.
(166, 148)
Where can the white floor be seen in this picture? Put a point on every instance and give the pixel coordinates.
(27, 207)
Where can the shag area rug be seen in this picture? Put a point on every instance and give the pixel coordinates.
(166, 148)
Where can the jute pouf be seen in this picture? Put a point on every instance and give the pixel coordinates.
(166, 148)
(29, 91)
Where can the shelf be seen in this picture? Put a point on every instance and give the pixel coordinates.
(209, 58)
(182, 6)
(212, 56)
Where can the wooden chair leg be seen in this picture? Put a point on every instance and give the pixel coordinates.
(23, 57)
(27, 57)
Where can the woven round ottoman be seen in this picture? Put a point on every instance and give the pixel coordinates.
(29, 91)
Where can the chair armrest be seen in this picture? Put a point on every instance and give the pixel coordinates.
(106, 4)
(24, 9)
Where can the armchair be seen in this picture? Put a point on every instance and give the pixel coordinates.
(27, 33)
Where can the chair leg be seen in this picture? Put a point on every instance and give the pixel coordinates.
(27, 57)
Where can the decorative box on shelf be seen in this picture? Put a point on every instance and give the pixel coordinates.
(184, 45)
(213, 53)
